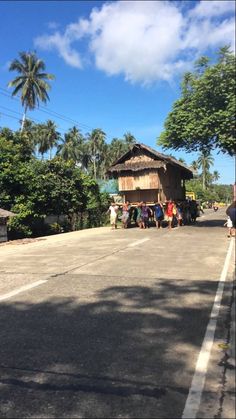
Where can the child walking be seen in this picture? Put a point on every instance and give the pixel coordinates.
(229, 225)
(113, 210)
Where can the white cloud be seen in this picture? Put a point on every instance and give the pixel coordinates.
(212, 8)
(207, 34)
(63, 46)
(146, 41)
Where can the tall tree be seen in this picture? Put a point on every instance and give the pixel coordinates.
(70, 146)
(97, 144)
(215, 176)
(48, 137)
(29, 135)
(204, 161)
(204, 116)
(129, 139)
(31, 81)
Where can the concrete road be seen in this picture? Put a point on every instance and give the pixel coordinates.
(110, 324)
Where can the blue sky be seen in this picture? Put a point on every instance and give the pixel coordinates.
(118, 64)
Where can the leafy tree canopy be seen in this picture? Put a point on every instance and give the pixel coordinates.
(204, 117)
(34, 189)
(31, 81)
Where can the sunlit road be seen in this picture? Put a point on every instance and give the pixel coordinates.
(101, 323)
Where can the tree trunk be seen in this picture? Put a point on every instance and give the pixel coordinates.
(203, 175)
(23, 119)
(203, 180)
(94, 164)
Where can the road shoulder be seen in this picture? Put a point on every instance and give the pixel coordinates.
(218, 399)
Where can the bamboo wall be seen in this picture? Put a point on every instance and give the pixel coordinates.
(152, 185)
(140, 180)
(171, 183)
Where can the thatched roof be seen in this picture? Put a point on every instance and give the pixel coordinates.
(135, 167)
(6, 214)
(158, 160)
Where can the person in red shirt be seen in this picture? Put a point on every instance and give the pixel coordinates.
(170, 213)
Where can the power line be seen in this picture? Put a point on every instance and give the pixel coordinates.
(11, 110)
(55, 114)
(31, 119)
(42, 108)
(18, 113)
(5, 93)
(9, 116)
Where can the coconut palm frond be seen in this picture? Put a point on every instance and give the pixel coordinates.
(31, 82)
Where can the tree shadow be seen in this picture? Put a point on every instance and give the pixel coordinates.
(127, 354)
(209, 223)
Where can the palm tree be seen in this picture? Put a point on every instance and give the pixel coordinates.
(97, 143)
(31, 81)
(29, 133)
(69, 149)
(116, 149)
(204, 161)
(48, 137)
(194, 165)
(129, 139)
(215, 175)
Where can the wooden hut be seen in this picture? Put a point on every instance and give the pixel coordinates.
(4, 215)
(146, 175)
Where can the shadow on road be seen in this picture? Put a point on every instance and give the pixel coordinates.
(129, 353)
(209, 223)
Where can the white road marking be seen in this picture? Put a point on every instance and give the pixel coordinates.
(138, 242)
(22, 289)
(195, 393)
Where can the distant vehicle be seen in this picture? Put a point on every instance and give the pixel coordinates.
(215, 206)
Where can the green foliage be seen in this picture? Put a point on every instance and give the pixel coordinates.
(56, 228)
(46, 137)
(30, 81)
(204, 116)
(70, 148)
(34, 189)
(219, 193)
(204, 161)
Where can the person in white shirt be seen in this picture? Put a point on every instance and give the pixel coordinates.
(229, 224)
(113, 210)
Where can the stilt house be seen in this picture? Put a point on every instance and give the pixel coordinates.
(146, 175)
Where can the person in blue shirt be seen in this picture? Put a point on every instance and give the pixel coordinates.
(146, 212)
(159, 214)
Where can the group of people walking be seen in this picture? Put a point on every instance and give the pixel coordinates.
(170, 213)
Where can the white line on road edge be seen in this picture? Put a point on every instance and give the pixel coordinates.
(22, 289)
(138, 242)
(195, 393)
